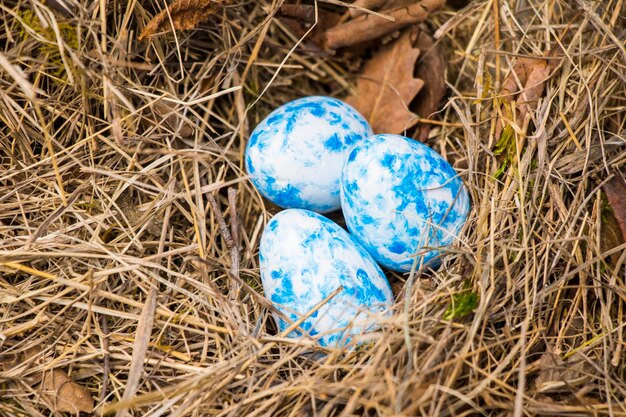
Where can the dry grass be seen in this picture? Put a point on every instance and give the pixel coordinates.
(105, 216)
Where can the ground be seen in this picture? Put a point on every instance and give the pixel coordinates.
(129, 231)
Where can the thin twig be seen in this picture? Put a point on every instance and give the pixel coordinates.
(234, 227)
(106, 366)
(226, 234)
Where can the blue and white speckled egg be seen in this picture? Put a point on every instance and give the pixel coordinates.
(304, 258)
(295, 155)
(400, 199)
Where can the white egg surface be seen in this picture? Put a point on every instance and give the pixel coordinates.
(402, 201)
(295, 155)
(304, 258)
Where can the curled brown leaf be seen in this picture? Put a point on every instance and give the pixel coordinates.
(367, 27)
(184, 14)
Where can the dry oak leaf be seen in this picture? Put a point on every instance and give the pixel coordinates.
(387, 86)
(65, 395)
(185, 15)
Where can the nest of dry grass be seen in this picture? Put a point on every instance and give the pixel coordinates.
(116, 268)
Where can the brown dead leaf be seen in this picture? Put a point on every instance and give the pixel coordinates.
(521, 70)
(610, 235)
(397, 287)
(557, 374)
(167, 115)
(58, 391)
(64, 395)
(360, 7)
(367, 27)
(615, 190)
(185, 15)
(431, 68)
(613, 217)
(301, 17)
(524, 84)
(8, 361)
(387, 86)
(139, 218)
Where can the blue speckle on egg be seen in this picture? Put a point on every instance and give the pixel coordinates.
(304, 258)
(295, 155)
(400, 199)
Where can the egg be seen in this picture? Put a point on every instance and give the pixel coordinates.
(304, 258)
(402, 201)
(295, 155)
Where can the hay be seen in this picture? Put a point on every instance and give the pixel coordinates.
(110, 147)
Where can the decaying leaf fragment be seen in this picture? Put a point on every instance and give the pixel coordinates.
(57, 390)
(300, 18)
(557, 374)
(615, 190)
(530, 74)
(65, 395)
(610, 234)
(166, 114)
(612, 219)
(184, 14)
(387, 86)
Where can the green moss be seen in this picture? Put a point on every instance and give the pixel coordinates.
(606, 211)
(487, 88)
(534, 164)
(253, 283)
(110, 234)
(48, 48)
(505, 147)
(462, 304)
(87, 206)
